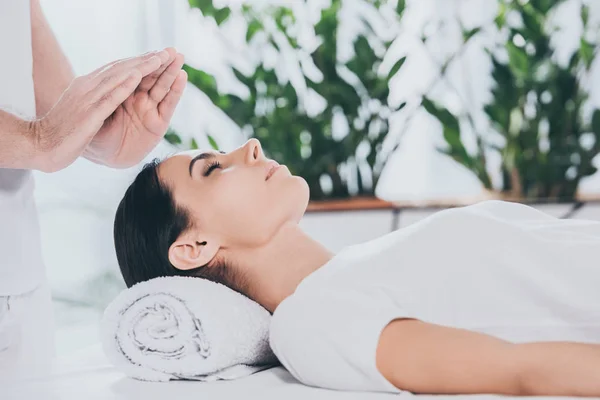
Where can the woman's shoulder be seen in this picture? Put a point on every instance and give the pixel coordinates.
(326, 338)
(294, 335)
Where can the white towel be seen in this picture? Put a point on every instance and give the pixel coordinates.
(186, 328)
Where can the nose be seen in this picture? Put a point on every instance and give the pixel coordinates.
(253, 151)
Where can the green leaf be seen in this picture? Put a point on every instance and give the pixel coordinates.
(586, 49)
(596, 123)
(401, 106)
(400, 7)
(172, 137)
(213, 142)
(246, 9)
(208, 10)
(396, 68)
(203, 81)
(274, 44)
(452, 137)
(534, 23)
(591, 170)
(451, 130)
(329, 21)
(499, 115)
(468, 34)
(221, 15)
(500, 19)
(193, 144)
(518, 60)
(544, 6)
(574, 60)
(249, 82)
(441, 114)
(253, 27)
(365, 53)
(585, 14)
(206, 6)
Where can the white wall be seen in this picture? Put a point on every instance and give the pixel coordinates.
(339, 229)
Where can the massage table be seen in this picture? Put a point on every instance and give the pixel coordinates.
(88, 375)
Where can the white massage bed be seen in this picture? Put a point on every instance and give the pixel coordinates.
(88, 375)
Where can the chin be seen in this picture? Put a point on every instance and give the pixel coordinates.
(292, 197)
(302, 198)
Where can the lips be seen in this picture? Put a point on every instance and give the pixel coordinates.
(271, 168)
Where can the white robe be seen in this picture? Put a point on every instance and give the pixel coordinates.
(498, 268)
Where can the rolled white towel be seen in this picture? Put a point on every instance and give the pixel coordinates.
(186, 328)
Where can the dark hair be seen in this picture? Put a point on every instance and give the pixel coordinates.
(147, 222)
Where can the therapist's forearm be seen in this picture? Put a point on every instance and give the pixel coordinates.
(17, 142)
(52, 72)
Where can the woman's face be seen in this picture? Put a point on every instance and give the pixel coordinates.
(240, 198)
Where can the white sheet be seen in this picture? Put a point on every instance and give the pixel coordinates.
(88, 375)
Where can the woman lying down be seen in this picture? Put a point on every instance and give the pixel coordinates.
(492, 298)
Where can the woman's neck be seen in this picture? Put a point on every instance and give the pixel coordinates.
(273, 271)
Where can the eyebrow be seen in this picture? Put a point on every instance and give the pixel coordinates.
(202, 156)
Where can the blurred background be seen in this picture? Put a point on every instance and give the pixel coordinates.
(391, 110)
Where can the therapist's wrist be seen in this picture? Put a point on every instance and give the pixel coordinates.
(25, 147)
(39, 150)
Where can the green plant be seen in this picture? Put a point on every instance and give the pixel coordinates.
(538, 106)
(173, 137)
(355, 93)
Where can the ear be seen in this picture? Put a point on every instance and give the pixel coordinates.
(189, 252)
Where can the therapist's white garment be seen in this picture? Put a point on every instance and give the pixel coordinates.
(503, 269)
(25, 309)
(21, 266)
(26, 334)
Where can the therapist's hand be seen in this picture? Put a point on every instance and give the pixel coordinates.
(64, 133)
(141, 121)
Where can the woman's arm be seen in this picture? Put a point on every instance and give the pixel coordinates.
(426, 358)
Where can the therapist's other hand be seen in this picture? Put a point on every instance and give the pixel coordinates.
(142, 120)
(63, 134)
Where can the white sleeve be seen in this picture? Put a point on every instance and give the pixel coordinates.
(329, 340)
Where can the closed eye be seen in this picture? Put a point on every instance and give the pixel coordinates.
(211, 167)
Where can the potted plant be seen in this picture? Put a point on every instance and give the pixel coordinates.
(338, 148)
(541, 128)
